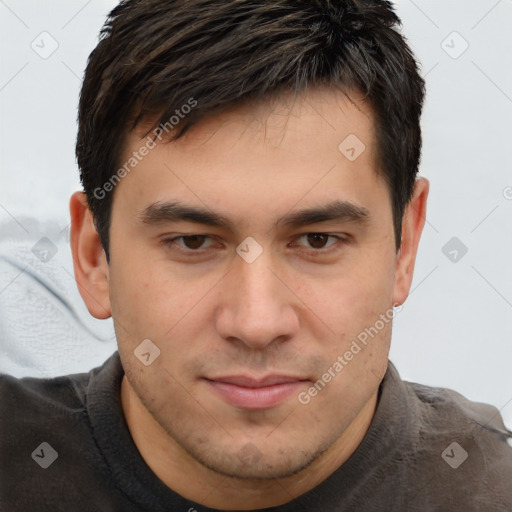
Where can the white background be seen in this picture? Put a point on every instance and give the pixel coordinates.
(455, 329)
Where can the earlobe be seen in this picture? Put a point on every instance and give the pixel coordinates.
(412, 227)
(89, 261)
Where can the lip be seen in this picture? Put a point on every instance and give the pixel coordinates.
(251, 393)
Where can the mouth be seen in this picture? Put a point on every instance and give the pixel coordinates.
(249, 393)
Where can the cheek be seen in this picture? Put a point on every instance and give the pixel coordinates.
(160, 304)
(358, 308)
(138, 288)
(138, 307)
(356, 299)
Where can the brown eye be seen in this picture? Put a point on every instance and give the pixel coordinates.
(189, 243)
(318, 245)
(317, 240)
(193, 241)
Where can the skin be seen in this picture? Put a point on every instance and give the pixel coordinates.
(291, 312)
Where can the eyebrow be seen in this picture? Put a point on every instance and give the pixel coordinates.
(168, 212)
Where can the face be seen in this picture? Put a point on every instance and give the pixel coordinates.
(257, 312)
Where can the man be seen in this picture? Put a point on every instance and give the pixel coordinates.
(250, 219)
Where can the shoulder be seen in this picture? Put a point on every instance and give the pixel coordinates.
(30, 395)
(65, 394)
(465, 446)
(445, 408)
(47, 442)
(39, 409)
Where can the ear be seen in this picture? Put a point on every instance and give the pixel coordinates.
(89, 260)
(412, 226)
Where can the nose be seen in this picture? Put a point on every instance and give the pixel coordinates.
(256, 304)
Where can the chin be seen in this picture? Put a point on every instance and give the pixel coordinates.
(249, 463)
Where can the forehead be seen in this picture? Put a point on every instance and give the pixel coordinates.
(284, 150)
(270, 117)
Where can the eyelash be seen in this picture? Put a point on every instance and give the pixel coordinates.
(315, 252)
